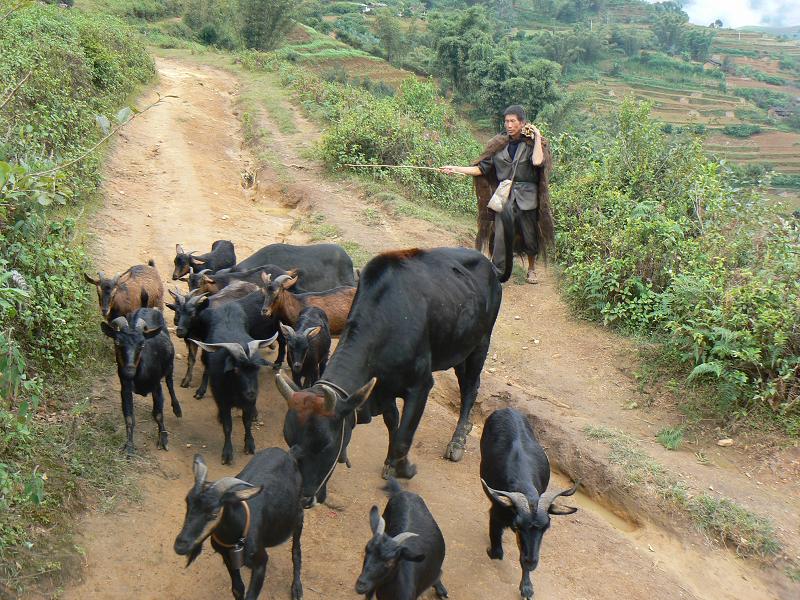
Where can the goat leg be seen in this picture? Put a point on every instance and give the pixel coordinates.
(439, 588)
(247, 421)
(227, 428)
(281, 351)
(191, 357)
(525, 585)
(496, 528)
(130, 420)
(237, 585)
(201, 391)
(158, 417)
(260, 561)
(297, 557)
(176, 406)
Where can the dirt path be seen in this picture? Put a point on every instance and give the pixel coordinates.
(175, 177)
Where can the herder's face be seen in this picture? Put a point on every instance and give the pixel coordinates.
(513, 125)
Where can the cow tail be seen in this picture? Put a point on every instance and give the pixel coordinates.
(508, 231)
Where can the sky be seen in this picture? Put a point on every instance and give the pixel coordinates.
(738, 13)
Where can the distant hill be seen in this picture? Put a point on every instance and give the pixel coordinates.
(790, 32)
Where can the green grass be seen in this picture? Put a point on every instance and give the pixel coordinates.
(670, 437)
(317, 229)
(750, 535)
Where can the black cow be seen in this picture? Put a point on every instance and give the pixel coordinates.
(232, 362)
(308, 345)
(145, 356)
(515, 473)
(415, 312)
(405, 555)
(222, 255)
(244, 515)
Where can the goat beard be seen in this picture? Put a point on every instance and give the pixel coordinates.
(194, 554)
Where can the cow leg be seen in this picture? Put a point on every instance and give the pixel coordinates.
(247, 421)
(260, 561)
(237, 585)
(413, 407)
(227, 428)
(469, 380)
(191, 357)
(126, 394)
(158, 417)
(496, 527)
(297, 558)
(176, 406)
(391, 418)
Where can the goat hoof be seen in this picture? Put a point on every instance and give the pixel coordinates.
(127, 448)
(440, 590)
(526, 590)
(495, 554)
(297, 591)
(186, 383)
(199, 395)
(455, 451)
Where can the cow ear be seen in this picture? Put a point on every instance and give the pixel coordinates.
(410, 555)
(107, 329)
(357, 399)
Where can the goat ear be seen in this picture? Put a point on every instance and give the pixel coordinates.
(357, 399)
(313, 332)
(230, 364)
(171, 306)
(242, 495)
(207, 279)
(374, 518)
(199, 261)
(266, 278)
(411, 556)
(554, 509)
(107, 329)
(151, 333)
(179, 249)
(91, 280)
(202, 302)
(287, 331)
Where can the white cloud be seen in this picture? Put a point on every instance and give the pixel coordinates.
(738, 13)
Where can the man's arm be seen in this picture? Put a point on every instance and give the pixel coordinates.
(538, 153)
(471, 170)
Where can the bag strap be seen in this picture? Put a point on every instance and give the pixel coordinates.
(515, 162)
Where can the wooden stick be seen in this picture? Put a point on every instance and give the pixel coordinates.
(393, 167)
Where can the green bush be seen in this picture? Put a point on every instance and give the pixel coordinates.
(764, 98)
(741, 130)
(788, 180)
(653, 241)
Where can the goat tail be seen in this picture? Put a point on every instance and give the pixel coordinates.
(392, 487)
(508, 237)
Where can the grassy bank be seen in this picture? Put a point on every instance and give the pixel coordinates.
(62, 71)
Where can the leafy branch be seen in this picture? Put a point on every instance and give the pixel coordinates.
(15, 90)
(123, 117)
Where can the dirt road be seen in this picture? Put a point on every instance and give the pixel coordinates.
(175, 176)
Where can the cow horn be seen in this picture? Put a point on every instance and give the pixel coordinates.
(119, 323)
(517, 499)
(546, 501)
(402, 537)
(200, 471)
(226, 483)
(286, 388)
(330, 398)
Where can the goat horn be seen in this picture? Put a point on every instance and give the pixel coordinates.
(286, 388)
(330, 398)
(140, 325)
(547, 499)
(254, 345)
(517, 499)
(281, 278)
(200, 471)
(119, 323)
(226, 483)
(402, 537)
(235, 350)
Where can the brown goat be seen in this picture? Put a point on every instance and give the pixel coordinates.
(286, 306)
(138, 287)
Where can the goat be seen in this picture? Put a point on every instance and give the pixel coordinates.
(232, 362)
(212, 283)
(222, 255)
(405, 555)
(286, 307)
(515, 473)
(244, 515)
(144, 355)
(187, 306)
(308, 345)
(121, 295)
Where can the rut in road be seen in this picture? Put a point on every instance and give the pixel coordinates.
(175, 177)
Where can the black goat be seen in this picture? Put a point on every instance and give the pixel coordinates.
(222, 255)
(405, 555)
(245, 515)
(212, 283)
(144, 357)
(308, 345)
(232, 362)
(515, 473)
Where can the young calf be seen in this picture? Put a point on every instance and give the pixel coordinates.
(405, 555)
(515, 473)
(232, 362)
(286, 306)
(222, 255)
(245, 515)
(144, 357)
(119, 296)
(308, 345)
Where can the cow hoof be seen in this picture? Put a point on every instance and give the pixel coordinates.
(199, 395)
(455, 451)
(495, 554)
(176, 410)
(186, 383)
(250, 447)
(163, 442)
(227, 457)
(402, 469)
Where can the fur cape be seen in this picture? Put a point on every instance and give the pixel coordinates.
(485, 185)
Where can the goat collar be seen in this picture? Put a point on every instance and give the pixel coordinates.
(244, 533)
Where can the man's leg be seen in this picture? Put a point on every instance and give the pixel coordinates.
(528, 226)
(498, 249)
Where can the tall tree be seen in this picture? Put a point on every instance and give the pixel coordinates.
(265, 22)
(390, 34)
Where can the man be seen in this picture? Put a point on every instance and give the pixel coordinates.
(520, 154)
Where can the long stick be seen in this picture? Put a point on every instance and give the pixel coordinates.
(393, 167)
